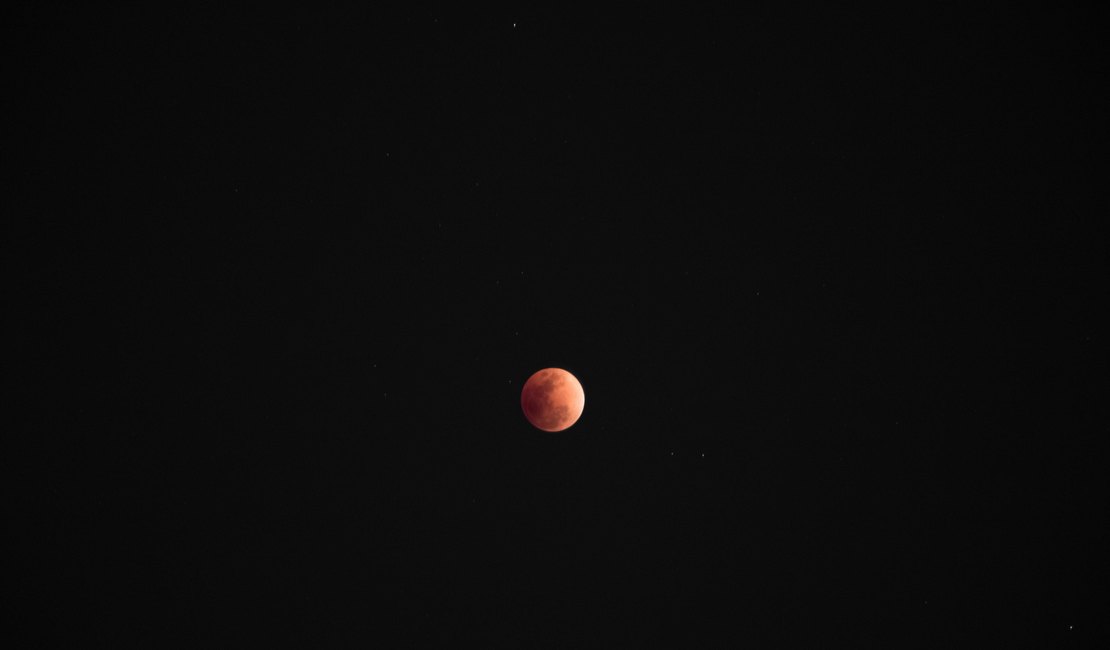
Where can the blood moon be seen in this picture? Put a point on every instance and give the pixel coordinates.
(552, 399)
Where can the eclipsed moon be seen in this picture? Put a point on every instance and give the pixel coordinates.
(552, 399)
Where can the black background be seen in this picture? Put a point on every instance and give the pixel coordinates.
(830, 281)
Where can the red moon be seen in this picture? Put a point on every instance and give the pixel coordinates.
(552, 399)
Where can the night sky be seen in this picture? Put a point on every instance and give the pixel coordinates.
(832, 283)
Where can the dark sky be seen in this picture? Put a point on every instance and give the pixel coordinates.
(831, 282)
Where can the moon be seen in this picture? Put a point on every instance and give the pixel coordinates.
(552, 399)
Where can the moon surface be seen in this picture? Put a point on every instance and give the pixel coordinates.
(552, 399)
